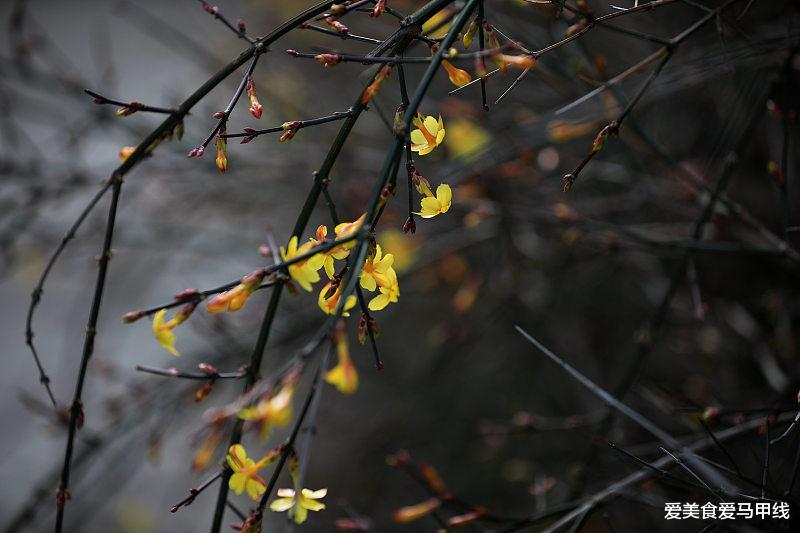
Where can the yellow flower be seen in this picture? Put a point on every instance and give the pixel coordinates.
(436, 205)
(338, 252)
(163, 330)
(458, 77)
(329, 305)
(245, 473)
(298, 505)
(429, 135)
(390, 292)
(222, 159)
(348, 229)
(271, 412)
(234, 299)
(304, 272)
(375, 269)
(344, 375)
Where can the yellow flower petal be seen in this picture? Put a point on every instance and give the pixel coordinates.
(417, 137)
(255, 487)
(431, 124)
(163, 332)
(299, 514)
(445, 196)
(315, 494)
(378, 303)
(282, 504)
(237, 483)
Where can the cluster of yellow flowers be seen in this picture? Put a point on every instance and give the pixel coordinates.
(376, 274)
(245, 478)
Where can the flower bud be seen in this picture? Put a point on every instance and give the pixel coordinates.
(188, 294)
(458, 77)
(125, 153)
(222, 159)
(132, 316)
(328, 60)
(469, 35)
(203, 392)
(255, 106)
(600, 140)
(567, 181)
(377, 11)
(336, 25)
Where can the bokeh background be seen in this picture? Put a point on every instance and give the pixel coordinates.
(583, 271)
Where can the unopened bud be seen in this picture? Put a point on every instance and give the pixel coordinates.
(336, 25)
(567, 181)
(377, 11)
(327, 60)
(203, 392)
(132, 316)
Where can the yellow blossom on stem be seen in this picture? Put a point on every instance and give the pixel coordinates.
(163, 329)
(458, 77)
(348, 229)
(245, 472)
(390, 292)
(337, 252)
(375, 270)
(303, 272)
(329, 303)
(436, 205)
(255, 106)
(222, 159)
(271, 412)
(344, 375)
(234, 299)
(429, 135)
(298, 505)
